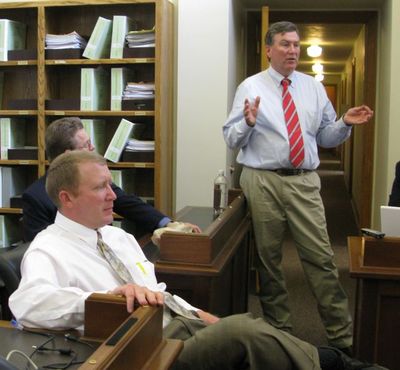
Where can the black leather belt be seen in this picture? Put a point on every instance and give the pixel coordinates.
(290, 171)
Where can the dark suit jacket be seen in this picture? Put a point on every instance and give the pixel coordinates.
(394, 198)
(39, 211)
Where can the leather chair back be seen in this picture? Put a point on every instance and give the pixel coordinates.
(10, 261)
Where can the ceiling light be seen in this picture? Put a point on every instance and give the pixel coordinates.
(314, 51)
(319, 77)
(317, 67)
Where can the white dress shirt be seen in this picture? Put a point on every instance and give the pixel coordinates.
(62, 267)
(266, 145)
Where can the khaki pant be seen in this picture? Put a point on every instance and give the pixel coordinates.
(280, 202)
(239, 342)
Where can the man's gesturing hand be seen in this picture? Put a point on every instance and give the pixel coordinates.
(250, 111)
(358, 115)
(141, 294)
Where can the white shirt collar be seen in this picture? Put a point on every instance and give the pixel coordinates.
(277, 77)
(74, 228)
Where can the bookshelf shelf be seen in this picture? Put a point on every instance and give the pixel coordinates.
(44, 80)
(19, 162)
(11, 211)
(63, 62)
(23, 112)
(18, 63)
(99, 113)
(131, 165)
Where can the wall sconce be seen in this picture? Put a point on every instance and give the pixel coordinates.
(314, 51)
(317, 68)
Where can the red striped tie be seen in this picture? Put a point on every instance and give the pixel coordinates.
(296, 143)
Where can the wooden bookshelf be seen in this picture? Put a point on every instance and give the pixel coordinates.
(40, 80)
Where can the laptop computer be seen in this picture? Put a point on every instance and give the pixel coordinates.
(390, 221)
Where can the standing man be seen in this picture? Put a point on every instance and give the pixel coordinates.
(278, 118)
(39, 211)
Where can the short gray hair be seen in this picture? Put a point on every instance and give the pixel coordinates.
(277, 28)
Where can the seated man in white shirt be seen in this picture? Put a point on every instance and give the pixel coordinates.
(66, 263)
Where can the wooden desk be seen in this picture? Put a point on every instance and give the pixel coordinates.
(377, 318)
(11, 338)
(134, 343)
(210, 270)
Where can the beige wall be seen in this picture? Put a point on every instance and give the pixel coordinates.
(209, 64)
(387, 136)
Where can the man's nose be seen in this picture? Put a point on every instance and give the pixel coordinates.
(111, 193)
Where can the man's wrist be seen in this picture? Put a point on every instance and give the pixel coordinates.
(344, 121)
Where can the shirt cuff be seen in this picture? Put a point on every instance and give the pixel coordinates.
(343, 123)
(164, 221)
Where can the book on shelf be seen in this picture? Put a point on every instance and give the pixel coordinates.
(118, 141)
(121, 25)
(96, 129)
(125, 179)
(9, 231)
(12, 182)
(119, 79)
(12, 135)
(94, 89)
(12, 37)
(1, 88)
(99, 43)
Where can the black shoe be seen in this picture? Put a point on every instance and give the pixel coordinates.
(347, 351)
(346, 362)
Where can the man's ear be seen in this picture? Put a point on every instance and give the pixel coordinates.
(267, 52)
(66, 199)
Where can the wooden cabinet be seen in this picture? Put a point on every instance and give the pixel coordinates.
(375, 263)
(211, 269)
(40, 88)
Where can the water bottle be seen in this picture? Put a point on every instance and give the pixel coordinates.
(220, 193)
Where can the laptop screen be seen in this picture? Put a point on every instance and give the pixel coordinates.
(390, 221)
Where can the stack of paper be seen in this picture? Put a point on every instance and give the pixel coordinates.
(141, 39)
(139, 90)
(135, 145)
(70, 40)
